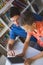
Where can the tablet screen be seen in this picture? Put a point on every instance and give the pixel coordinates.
(16, 59)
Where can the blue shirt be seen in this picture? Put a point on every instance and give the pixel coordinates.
(18, 31)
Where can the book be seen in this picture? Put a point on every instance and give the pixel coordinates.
(1, 26)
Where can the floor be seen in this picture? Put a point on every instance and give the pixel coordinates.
(2, 60)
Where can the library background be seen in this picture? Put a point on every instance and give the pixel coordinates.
(34, 6)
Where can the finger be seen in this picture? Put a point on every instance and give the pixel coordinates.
(25, 64)
(9, 54)
(13, 54)
(25, 61)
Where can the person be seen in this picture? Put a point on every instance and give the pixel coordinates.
(39, 28)
(28, 61)
(28, 26)
(36, 28)
(16, 30)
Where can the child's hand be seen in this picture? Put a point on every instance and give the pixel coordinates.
(26, 64)
(11, 53)
(27, 61)
(20, 55)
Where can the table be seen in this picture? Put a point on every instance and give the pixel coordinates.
(29, 53)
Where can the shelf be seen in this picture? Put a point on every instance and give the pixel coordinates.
(4, 27)
(39, 6)
(3, 31)
(10, 24)
(40, 10)
(41, 13)
(29, 5)
(6, 7)
(9, 21)
(32, 8)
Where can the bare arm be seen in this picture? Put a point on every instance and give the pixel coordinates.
(26, 43)
(10, 47)
(10, 44)
(30, 60)
(37, 56)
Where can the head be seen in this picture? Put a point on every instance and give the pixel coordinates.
(14, 14)
(28, 20)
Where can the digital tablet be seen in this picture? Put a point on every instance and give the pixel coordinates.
(16, 59)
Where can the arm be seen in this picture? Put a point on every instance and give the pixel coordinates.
(11, 40)
(10, 44)
(37, 56)
(30, 60)
(10, 48)
(26, 43)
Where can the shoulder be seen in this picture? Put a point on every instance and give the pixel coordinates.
(29, 34)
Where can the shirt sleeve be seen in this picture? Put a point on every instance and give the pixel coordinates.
(12, 35)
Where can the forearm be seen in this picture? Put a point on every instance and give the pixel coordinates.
(37, 56)
(25, 47)
(10, 44)
(26, 44)
(9, 47)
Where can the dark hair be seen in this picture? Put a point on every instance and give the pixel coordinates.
(14, 11)
(27, 19)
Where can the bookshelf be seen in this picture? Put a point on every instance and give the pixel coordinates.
(3, 27)
(5, 23)
(3, 11)
(6, 7)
